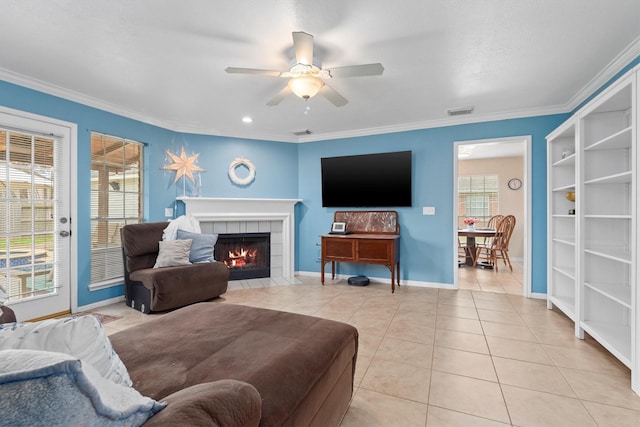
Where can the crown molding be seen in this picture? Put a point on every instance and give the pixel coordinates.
(260, 136)
(625, 57)
(618, 63)
(428, 124)
(70, 95)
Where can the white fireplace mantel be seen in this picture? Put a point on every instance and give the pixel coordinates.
(213, 209)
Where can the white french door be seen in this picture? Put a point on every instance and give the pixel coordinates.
(35, 214)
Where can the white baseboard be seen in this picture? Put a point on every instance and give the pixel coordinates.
(100, 304)
(379, 280)
(415, 283)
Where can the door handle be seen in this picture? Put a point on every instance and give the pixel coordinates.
(65, 233)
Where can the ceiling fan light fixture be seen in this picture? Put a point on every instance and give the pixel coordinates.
(305, 86)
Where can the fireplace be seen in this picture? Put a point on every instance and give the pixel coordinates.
(246, 254)
(230, 215)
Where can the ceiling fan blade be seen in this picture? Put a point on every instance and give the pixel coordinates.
(235, 70)
(334, 97)
(303, 46)
(279, 97)
(357, 70)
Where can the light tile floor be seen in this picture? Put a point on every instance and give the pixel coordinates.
(501, 281)
(430, 357)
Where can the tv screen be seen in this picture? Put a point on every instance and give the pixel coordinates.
(370, 180)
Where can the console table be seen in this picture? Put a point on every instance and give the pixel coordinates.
(374, 238)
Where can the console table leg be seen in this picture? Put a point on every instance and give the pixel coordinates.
(322, 273)
(393, 276)
(333, 270)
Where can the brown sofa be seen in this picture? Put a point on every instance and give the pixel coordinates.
(158, 289)
(222, 364)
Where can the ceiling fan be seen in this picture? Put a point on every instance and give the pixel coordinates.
(306, 79)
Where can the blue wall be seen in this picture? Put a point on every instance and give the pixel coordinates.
(426, 241)
(276, 165)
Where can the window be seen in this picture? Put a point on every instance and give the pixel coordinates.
(28, 249)
(477, 197)
(116, 200)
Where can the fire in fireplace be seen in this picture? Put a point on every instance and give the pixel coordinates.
(246, 254)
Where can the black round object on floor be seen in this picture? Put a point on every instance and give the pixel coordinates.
(358, 280)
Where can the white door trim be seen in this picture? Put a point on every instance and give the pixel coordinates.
(69, 131)
(526, 187)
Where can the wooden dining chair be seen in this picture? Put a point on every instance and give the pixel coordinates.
(494, 220)
(463, 253)
(493, 224)
(503, 251)
(496, 249)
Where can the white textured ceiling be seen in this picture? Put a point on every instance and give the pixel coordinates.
(163, 61)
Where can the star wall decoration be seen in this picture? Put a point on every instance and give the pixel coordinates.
(183, 165)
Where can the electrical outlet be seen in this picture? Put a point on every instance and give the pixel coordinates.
(428, 210)
(168, 212)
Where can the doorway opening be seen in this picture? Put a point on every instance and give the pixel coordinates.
(492, 177)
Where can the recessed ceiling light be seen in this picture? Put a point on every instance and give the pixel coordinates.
(247, 119)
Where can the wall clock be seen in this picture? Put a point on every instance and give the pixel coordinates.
(515, 184)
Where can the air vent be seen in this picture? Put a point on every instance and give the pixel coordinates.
(301, 132)
(460, 111)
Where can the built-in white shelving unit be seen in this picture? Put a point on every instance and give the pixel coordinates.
(592, 253)
(562, 252)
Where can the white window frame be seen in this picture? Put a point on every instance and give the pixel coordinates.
(111, 261)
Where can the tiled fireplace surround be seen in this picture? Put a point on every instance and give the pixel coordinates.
(275, 216)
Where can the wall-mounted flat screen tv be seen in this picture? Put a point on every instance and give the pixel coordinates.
(369, 180)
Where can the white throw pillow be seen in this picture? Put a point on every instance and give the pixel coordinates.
(47, 388)
(82, 337)
(183, 222)
(173, 252)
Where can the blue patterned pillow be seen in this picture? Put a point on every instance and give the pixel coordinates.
(201, 247)
(47, 388)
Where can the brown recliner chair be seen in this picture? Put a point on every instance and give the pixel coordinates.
(159, 289)
(7, 315)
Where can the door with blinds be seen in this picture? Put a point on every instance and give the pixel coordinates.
(35, 211)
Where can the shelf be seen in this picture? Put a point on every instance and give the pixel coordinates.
(570, 160)
(611, 253)
(618, 293)
(566, 305)
(565, 240)
(591, 259)
(566, 271)
(615, 338)
(595, 216)
(618, 140)
(618, 178)
(569, 187)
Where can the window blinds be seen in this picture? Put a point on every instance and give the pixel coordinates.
(116, 200)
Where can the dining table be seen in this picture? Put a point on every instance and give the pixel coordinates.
(471, 234)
